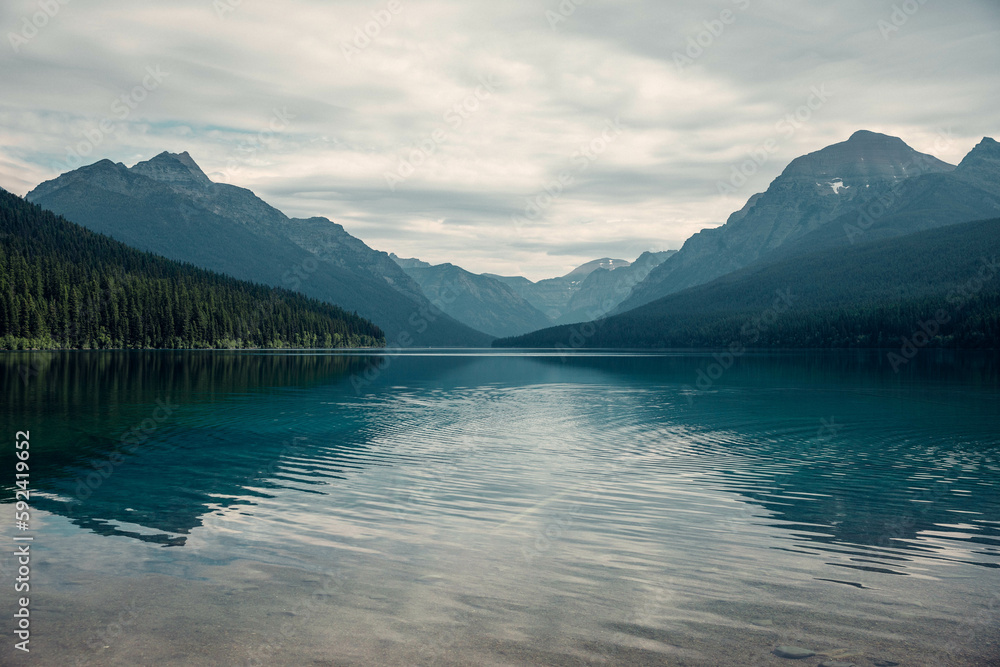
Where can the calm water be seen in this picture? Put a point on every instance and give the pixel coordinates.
(479, 508)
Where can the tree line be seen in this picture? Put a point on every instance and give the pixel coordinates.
(62, 286)
(935, 288)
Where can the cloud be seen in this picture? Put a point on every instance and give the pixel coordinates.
(361, 105)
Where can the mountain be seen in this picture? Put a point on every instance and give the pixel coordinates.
(837, 182)
(169, 206)
(605, 263)
(409, 263)
(330, 243)
(62, 286)
(605, 287)
(510, 305)
(481, 302)
(552, 296)
(970, 192)
(938, 287)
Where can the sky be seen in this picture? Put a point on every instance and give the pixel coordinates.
(517, 137)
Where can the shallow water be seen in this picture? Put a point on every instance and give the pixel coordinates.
(508, 508)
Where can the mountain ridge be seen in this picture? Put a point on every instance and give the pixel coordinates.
(873, 294)
(812, 191)
(164, 205)
(82, 290)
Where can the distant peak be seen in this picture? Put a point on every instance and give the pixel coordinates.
(987, 144)
(603, 263)
(172, 167)
(408, 263)
(105, 164)
(983, 160)
(186, 159)
(868, 136)
(865, 156)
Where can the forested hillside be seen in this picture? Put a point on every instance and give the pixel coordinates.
(167, 205)
(937, 288)
(62, 286)
(870, 187)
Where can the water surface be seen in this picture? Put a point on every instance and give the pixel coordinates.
(476, 507)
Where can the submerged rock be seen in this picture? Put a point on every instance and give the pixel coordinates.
(793, 652)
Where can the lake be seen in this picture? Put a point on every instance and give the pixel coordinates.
(506, 508)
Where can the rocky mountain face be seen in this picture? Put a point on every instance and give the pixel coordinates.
(168, 206)
(604, 288)
(867, 295)
(982, 165)
(512, 305)
(482, 302)
(605, 263)
(969, 192)
(552, 296)
(812, 192)
(333, 246)
(412, 263)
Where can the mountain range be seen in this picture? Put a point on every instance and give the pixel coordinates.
(937, 287)
(831, 229)
(868, 190)
(513, 305)
(168, 205)
(844, 179)
(480, 301)
(63, 286)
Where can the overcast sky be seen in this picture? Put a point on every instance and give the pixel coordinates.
(295, 102)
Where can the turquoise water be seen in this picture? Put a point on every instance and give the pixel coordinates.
(508, 508)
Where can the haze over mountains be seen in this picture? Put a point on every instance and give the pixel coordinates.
(512, 305)
(587, 291)
(811, 192)
(480, 301)
(65, 287)
(869, 188)
(847, 230)
(936, 287)
(169, 206)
